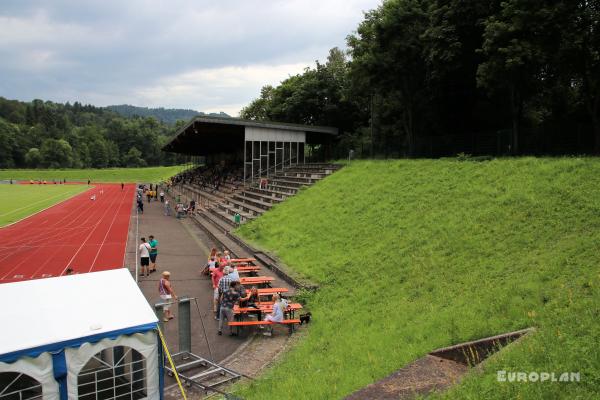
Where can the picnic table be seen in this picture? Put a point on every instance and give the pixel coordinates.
(256, 280)
(242, 260)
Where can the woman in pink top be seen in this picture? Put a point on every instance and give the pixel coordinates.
(166, 294)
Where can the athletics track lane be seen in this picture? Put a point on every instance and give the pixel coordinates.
(78, 233)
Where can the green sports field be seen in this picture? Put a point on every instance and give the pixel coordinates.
(146, 175)
(414, 255)
(19, 201)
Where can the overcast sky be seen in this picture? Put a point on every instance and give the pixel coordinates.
(205, 55)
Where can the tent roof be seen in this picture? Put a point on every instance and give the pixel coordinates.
(43, 312)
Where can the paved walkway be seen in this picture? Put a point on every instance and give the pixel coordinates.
(183, 250)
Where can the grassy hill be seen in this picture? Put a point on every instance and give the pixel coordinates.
(418, 254)
(147, 175)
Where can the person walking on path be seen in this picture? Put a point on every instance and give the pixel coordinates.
(228, 300)
(167, 294)
(140, 205)
(167, 208)
(144, 257)
(162, 196)
(153, 253)
(122, 186)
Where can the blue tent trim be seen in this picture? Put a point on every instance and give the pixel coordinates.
(58, 347)
(59, 365)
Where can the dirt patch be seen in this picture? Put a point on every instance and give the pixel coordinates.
(421, 377)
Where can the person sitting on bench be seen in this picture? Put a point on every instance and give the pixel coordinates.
(277, 315)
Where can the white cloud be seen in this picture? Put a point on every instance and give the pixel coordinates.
(199, 54)
(225, 89)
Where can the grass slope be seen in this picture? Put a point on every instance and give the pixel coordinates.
(19, 201)
(150, 174)
(415, 255)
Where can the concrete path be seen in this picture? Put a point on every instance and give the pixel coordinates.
(183, 251)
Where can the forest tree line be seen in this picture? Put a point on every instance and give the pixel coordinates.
(43, 134)
(433, 77)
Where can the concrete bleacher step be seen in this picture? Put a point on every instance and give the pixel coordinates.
(278, 196)
(227, 213)
(218, 218)
(303, 174)
(232, 207)
(285, 182)
(253, 201)
(244, 206)
(260, 196)
(287, 190)
(202, 193)
(297, 179)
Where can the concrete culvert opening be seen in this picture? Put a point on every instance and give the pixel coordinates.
(436, 371)
(474, 352)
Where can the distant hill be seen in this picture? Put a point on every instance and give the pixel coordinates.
(166, 115)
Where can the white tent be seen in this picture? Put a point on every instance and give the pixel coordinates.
(81, 335)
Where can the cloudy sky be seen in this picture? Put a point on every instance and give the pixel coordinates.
(204, 55)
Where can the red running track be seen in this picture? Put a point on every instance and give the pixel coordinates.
(78, 233)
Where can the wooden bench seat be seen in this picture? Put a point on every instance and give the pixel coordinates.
(289, 322)
(265, 308)
(269, 291)
(255, 323)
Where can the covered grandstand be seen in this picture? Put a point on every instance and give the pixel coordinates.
(263, 148)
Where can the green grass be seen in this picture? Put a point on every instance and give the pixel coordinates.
(146, 175)
(19, 201)
(414, 255)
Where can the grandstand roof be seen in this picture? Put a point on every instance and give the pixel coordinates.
(205, 135)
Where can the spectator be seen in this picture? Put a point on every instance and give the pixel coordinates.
(252, 300)
(122, 186)
(223, 284)
(162, 196)
(167, 208)
(165, 289)
(144, 257)
(228, 300)
(140, 204)
(216, 273)
(237, 219)
(277, 314)
(153, 252)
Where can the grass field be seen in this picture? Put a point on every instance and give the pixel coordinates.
(19, 201)
(414, 255)
(146, 175)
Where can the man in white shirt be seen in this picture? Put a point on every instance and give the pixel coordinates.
(145, 257)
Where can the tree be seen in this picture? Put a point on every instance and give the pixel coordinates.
(33, 158)
(133, 158)
(259, 109)
(387, 53)
(56, 153)
(8, 134)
